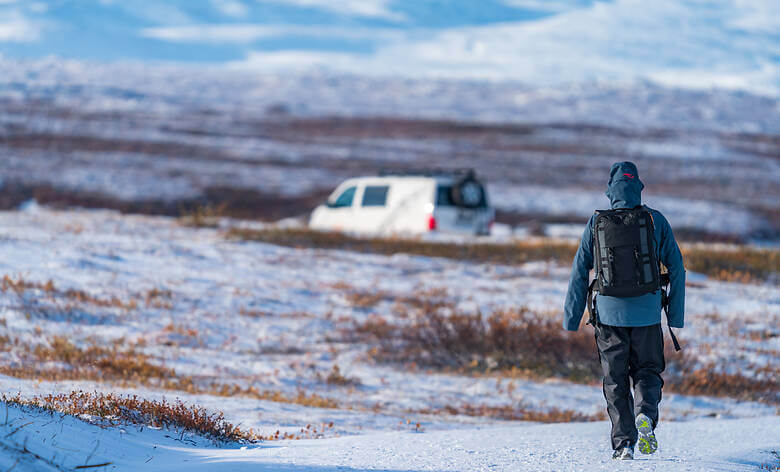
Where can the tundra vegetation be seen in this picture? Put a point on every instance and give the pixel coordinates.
(728, 263)
(321, 343)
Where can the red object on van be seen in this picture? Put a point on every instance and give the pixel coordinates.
(431, 223)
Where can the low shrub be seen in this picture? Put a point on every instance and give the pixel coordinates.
(133, 410)
(516, 341)
(33, 295)
(515, 413)
(742, 264)
(522, 343)
(707, 380)
(364, 299)
(337, 378)
(298, 398)
(60, 359)
(20, 287)
(203, 216)
(515, 253)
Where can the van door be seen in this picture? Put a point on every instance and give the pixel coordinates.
(469, 213)
(373, 211)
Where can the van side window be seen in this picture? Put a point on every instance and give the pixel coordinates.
(444, 195)
(345, 199)
(375, 195)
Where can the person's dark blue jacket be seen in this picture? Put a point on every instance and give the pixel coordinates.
(625, 191)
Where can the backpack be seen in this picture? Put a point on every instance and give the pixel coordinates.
(624, 252)
(625, 259)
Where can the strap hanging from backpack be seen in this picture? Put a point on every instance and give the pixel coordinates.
(665, 305)
(674, 339)
(593, 317)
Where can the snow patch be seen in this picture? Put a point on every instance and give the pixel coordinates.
(695, 446)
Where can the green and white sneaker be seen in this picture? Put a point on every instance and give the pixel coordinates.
(647, 442)
(625, 453)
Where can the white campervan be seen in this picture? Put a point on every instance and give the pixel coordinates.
(448, 201)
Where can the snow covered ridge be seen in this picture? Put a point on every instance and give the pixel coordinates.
(684, 43)
(161, 88)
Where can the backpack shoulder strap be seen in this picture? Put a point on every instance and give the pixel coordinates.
(649, 212)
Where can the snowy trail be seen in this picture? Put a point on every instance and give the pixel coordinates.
(706, 445)
(700, 445)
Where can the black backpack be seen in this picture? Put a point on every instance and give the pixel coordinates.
(624, 253)
(625, 259)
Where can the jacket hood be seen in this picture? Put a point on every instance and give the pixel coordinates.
(624, 188)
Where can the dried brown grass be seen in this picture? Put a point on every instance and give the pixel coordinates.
(515, 253)
(59, 359)
(32, 295)
(133, 410)
(157, 298)
(364, 300)
(519, 342)
(204, 216)
(255, 313)
(515, 413)
(337, 378)
(232, 202)
(117, 409)
(49, 291)
(707, 380)
(524, 344)
(300, 397)
(742, 264)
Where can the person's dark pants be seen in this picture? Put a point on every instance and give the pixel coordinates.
(630, 354)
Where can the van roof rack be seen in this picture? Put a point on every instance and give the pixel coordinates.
(431, 172)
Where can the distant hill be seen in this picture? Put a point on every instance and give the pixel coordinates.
(724, 43)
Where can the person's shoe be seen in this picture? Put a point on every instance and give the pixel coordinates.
(625, 453)
(647, 442)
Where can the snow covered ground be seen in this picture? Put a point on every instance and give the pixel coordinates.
(262, 316)
(706, 445)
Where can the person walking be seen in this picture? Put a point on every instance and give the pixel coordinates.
(626, 245)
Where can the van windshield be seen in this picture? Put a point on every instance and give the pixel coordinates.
(345, 199)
